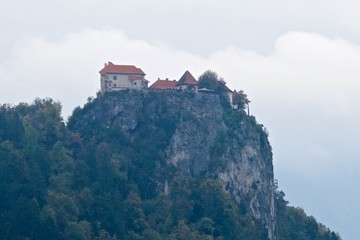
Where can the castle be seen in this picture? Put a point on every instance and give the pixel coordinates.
(120, 77)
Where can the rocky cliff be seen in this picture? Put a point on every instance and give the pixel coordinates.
(201, 136)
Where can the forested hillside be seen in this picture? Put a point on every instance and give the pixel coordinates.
(91, 179)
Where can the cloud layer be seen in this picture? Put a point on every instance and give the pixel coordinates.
(306, 92)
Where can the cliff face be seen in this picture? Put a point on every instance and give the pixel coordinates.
(203, 137)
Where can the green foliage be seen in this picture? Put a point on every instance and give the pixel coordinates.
(211, 80)
(240, 100)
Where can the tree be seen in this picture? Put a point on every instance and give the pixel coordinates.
(211, 80)
(206, 226)
(180, 195)
(240, 100)
(183, 232)
(135, 216)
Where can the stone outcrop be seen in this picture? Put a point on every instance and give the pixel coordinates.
(206, 139)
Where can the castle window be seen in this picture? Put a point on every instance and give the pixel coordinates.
(114, 77)
(134, 83)
(114, 84)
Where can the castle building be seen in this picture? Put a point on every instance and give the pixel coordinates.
(119, 77)
(165, 84)
(186, 82)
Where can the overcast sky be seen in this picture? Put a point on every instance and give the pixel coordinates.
(298, 61)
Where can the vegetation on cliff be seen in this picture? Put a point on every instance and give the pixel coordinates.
(89, 180)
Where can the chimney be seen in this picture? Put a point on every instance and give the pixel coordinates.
(167, 79)
(105, 64)
(158, 78)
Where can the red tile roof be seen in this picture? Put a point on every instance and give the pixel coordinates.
(164, 84)
(187, 79)
(121, 69)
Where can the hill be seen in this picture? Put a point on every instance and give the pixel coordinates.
(142, 165)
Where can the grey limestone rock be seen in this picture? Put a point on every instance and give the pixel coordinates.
(208, 139)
